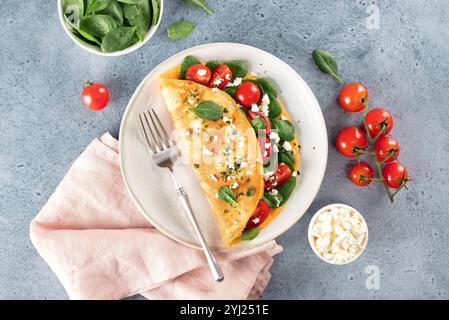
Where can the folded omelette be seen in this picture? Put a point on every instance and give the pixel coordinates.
(223, 152)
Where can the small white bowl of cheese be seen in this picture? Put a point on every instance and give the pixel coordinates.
(338, 233)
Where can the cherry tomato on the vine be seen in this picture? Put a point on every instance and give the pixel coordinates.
(95, 95)
(376, 119)
(353, 97)
(199, 73)
(248, 93)
(395, 174)
(361, 174)
(386, 148)
(259, 216)
(221, 76)
(351, 142)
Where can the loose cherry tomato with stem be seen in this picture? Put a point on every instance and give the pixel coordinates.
(281, 175)
(386, 149)
(259, 216)
(395, 175)
(361, 174)
(353, 97)
(221, 76)
(95, 95)
(252, 115)
(379, 122)
(199, 73)
(248, 93)
(351, 142)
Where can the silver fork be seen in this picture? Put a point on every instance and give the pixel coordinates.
(161, 148)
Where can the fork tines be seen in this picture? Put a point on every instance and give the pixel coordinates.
(155, 135)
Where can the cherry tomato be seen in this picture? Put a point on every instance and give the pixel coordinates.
(248, 93)
(386, 148)
(259, 216)
(378, 118)
(395, 174)
(198, 73)
(220, 77)
(353, 97)
(252, 115)
(361, 174)
(95, 95)
(265, 147)
(351, 142)
(281, 175)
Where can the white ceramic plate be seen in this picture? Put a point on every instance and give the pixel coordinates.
(151, 187)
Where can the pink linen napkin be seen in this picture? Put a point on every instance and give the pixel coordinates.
(100, 247)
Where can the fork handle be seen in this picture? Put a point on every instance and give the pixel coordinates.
(184, 199)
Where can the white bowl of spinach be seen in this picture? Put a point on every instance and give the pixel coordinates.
(110, 27)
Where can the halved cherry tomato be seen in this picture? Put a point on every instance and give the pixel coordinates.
(252, 115)
(351, 142)
(361, 174)
(386, 148)
(259, 216)
(95, 95)
(395, 174)
(281, 175)
(265, 147)
(198, 73)
(248, 93)
(221, 76)
(378, 118)
(353, 97)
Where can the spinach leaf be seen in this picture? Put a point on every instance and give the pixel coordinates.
(230, 91)
(114, 10)
(286, 189)
(130, 12)
(118, 39)
(258, 124)
(129, 1)
(267, 86)
(326, 63)
(156, 11)
(86, 36)
(96, 5)
(185, 64)
(239, 68)
(73, 11)
(180, 29)
(98, 25)
(273, 201)
(139, 16)
(201, 4)
(250, 234)
(226, 194)
(208, 110)
(287, 158)
(274, 108)
(286, 130)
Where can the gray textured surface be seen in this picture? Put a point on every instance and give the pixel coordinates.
(404, 64)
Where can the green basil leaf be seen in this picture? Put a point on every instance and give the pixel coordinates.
(250, 234)
(73, 11)
(226, 194)
(239, 68)
(96, 5)
(230, 91)
(98, 25)
(267, 86)
(274, 108)
(114, 10)
(180, 29)
(286, 189)
(86, 36)
(326, 63)
(185, 64)
(208, 110)
(273, 201)
(250, 191)
(156, 11)
(287, 158)
(119, 39)
(258, 124)
(201, 4)
(286, 130)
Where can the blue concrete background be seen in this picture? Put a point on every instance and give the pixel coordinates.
(403, 63)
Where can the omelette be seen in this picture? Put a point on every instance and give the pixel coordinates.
(224, 152)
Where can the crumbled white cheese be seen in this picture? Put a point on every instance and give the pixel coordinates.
(191, 101)
(275, 148)
(283, 117)
(274, 192)
(267, 145)
(265, 110)
(265, 100)
(294, 174)
(249, 172)
(235, 221)
(214, 89)
(235, 185)
(339, 234)
(227, 120)
(274, 136)
(236, 83)
(207, 152)
(217, 82)
(213, 177)
(256, 220)
(228, 76)
(287, 146)
(254, 108)
(243, 164)
(201, 72)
